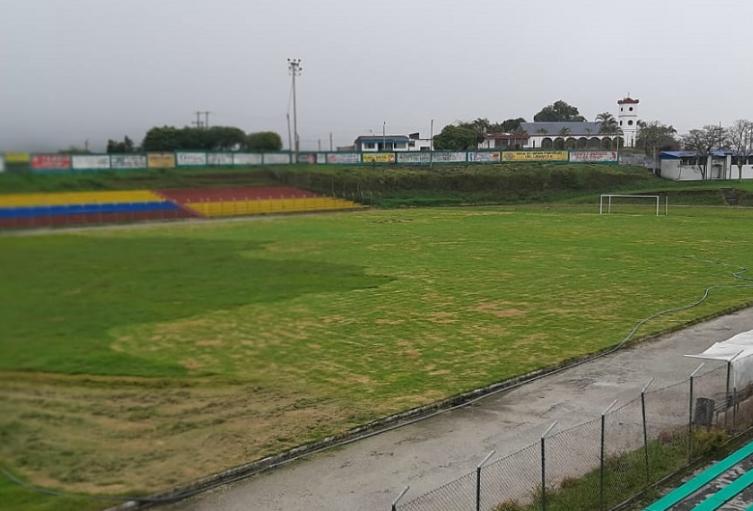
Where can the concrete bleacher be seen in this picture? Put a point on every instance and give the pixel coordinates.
(73, 208)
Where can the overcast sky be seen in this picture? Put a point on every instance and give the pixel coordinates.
(72, 70)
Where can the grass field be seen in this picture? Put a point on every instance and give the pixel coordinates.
(137, 358)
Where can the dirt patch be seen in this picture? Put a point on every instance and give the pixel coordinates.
(110, 435)
(500, 309)
(443, 318)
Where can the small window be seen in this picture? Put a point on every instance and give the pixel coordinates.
(622, 109)
(631, 108)
(369, 145)
(630, 123)
(620, 123)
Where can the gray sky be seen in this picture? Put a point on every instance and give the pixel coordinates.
(72, 70)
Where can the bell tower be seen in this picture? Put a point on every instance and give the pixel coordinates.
(627, 115)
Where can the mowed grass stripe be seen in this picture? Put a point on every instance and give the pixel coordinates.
(272, 333)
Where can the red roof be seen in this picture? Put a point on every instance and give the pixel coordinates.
(628, 101)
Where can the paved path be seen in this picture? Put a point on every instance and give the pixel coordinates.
(367, 475)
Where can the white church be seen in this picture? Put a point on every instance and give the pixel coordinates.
(570, 135)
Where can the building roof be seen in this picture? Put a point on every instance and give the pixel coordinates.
(553, 129)
(676, 155)
(507, 136)
(628, 101)
(379, 138)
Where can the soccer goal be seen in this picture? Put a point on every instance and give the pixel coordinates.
(633, 204)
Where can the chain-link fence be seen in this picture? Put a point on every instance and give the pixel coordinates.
(602, 463)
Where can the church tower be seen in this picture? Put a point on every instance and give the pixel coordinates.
(627, 116)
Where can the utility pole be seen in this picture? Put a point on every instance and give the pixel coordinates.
(319, 144)
(384, 136)
(290, 143)
(206, 119)
(294, 66)
(331, 147)
(198, 119)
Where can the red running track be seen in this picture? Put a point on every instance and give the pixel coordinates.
(221, 194)
(92, 218)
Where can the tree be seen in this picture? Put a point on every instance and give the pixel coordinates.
(263, 141)
(456, 138)
(558, 111)
(654, 137)
(608, 124)
(216, 138)
(740, 140)
(702, 142)
(126, 146)
(509, 125)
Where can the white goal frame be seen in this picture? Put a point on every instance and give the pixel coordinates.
(609, 197)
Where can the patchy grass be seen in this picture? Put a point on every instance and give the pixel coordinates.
(135, 359)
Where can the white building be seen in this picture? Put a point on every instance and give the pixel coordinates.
(378, 143)
(552, 135)
(685, 166)
(628, 119)
(569, 135)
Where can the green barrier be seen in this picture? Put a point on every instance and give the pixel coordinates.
(718, 499)
(702, 479)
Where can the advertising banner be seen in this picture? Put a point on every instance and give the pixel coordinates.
(90, 161)
(534, 156)
(593, 156)
(378, 157)
(220, 159)
(50, 162)
(128, 161)
(307, 158)
(276, 158)
(160, 160)
(448, 157)
(483, 156)
(321, 158)
(337, 158)
(414, 157)
(246, 159)
(191, 159)
(17, 158)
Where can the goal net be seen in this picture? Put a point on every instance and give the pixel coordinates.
(633, 204)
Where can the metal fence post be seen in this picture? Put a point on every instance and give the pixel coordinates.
(478, 479)
(394, 502)
(734, 408)
(645, 429)
(601, 455)
(690, 413)
(543, 465)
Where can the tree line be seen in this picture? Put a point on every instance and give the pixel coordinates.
(216, 138)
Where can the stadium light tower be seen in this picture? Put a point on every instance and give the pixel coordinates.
(294, 66)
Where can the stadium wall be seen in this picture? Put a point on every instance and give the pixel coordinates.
(195, 159)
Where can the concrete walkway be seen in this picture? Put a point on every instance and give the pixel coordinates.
(368, 474)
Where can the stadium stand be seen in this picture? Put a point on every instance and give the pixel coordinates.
(74, 208)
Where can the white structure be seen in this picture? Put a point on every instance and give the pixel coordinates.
(378, 143)
(721, 164)
(552, 135)
(628, 119)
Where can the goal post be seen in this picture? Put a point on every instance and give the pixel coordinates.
(609, 201)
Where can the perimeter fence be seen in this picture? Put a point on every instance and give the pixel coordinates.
(606, 462)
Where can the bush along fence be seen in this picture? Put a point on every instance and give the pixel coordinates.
(179, 159)
(604, 463)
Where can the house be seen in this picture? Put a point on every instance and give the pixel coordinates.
(720, 164)
(378, 143)
(570, 134)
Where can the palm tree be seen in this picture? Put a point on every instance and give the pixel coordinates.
(608, 123)
(564, 132)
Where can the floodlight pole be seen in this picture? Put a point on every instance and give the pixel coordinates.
(294, 65)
